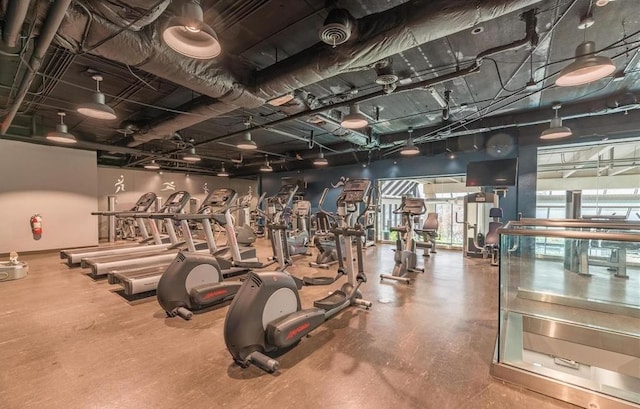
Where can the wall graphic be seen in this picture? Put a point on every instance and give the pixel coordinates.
(166, 186)
(119, 185)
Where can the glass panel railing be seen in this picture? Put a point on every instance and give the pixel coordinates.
(570, 304)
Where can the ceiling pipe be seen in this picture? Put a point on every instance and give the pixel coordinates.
(377, 36)
(49, 28)
(16, 14)
(143, 49)
(524, 119)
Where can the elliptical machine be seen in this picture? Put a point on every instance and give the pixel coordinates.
(298, 242)
(323, 239)
(195, 281)
(266, 316)
(405, 257)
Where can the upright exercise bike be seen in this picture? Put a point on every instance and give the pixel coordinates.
(406, 258)
(266, 316)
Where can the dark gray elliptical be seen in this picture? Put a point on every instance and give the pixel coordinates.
(266, 317)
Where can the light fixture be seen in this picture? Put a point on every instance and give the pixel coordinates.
(321, 160)
(556, 130)
(281, 100)
(61, 134)
(187, 33)
(191, 155)
(97, 107)
(223, 172)
(266, 167)
(355, 119)
(586, 68)
(152, 165)
(247, 143)
(410, 149)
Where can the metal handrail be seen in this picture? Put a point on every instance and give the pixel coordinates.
(572, 234)
(575, 223)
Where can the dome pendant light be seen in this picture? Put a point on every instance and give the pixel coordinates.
(586, 68)
(187, 33)
(223, 172)
(266, 167)
(556, 130)
(321, 160)
(97, 108)
(191, 155)
(247, 143)
(355, 119)
(410, 149)
(61, 134)
(152, 165)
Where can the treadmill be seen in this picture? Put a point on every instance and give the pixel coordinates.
(216, 207)
(175, 204)
(144, 203)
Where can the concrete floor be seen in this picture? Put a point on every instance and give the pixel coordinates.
(68, 341)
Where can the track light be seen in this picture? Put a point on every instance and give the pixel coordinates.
(266, 167)
(97, 107)
(355, 119)
(61, 134)
(187, 33)
(247, 143)
(223, 172)
(556, 130)
(152, 165)
(586, 68)
(321, 160)
(191, 155)
(410, 149)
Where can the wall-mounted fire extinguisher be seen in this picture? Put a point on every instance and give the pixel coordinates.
(36, 225)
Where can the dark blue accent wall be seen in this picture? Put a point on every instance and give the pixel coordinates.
(518, 199)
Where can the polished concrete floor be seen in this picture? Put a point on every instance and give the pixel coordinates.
(68, 341)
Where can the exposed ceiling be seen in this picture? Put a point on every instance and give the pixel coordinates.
(271, 47)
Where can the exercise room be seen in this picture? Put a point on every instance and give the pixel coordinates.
(340, 204)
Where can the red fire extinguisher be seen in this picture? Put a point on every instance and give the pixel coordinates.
(36, 224)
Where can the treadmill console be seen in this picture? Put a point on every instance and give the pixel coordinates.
(176, 202)
(218, 201)
(355, 191)
(413, 206)
(144, 203)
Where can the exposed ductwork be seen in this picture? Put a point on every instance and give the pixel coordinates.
(144, 50)
(15, 16)
(374, 37)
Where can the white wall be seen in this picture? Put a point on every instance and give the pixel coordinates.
(58, 183)
(137, 182)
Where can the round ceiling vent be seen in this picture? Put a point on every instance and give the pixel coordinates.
(337, 27)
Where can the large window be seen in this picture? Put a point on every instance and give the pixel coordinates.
(443, 195)
(605, 174)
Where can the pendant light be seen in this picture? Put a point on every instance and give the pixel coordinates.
(97, 107)
(586, 68)
(355, 119)
(223, 172)
(152, 165)
(191, 155)
(266, 167)
(187, 33)
(410, 149)
(61, 134)
(321, 160)
(247, 143)
(556, 130)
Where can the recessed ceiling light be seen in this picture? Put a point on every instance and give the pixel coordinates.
(281, 100)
